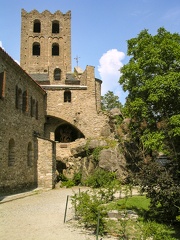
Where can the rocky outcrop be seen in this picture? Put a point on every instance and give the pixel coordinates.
(114, 161)
(86, 155)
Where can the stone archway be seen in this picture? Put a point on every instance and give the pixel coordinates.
(67, 133)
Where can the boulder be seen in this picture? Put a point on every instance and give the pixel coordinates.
(112, 160)
(115, 112)
(94, 143)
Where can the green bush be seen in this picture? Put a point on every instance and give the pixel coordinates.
(157, 231)
(77, 178)
(102, 178)
(71, 182)
(87, 206)
(96, 153)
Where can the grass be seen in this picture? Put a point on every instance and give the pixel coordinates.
(139, 203)
(137, 228)
(134, 224)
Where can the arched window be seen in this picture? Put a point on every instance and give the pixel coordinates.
(19, 100)
(36, 49)
(33, 107)
(2, 84)
(55, 49)
(55, 26)
(37, 110)
(57, 74)
(67, 96)
(37, 26)
(29, 154)
(25, 102)
(11, 153)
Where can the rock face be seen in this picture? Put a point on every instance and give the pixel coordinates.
(85, 155)
(112, 160)
(80, 157)
(115, 112)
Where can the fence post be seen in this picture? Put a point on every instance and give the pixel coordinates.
(66, 208)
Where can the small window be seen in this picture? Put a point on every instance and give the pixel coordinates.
(55, 49)
(37, 109)
(25, 102)
(67, 96)
(29, 154)
(36, 49)
(11, 153)
(33, 107)
(55, 27)
(37, 26)
(57, 74)
(2, 84)
(19, 98)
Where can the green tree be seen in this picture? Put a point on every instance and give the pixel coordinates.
(152, 79)
(110, 101)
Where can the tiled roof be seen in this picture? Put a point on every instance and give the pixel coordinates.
(70, 76)
(40, 77)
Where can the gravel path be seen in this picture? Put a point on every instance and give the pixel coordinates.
(40, 217)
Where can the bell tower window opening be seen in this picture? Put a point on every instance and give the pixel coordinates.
(55, 49)
(67, 96)
(37, 26)
(57, 74)
(36, 49)
(55, 27)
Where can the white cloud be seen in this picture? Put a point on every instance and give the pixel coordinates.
(109, 70)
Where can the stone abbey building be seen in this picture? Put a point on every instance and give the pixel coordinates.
(44, 105)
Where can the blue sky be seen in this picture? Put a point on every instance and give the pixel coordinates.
(100, 30)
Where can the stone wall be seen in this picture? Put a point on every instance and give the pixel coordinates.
(17, 143)
(46, 163)
(30, 112)
(83, 111)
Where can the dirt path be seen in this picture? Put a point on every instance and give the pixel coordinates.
(40, 217)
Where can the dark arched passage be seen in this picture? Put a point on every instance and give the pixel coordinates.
(67, 133)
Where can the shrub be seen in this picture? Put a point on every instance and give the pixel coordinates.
(96, 153)
(102, 178)
(157, 231)
(71, 182)
(87, 206)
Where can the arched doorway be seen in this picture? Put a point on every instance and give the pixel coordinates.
(67, 133)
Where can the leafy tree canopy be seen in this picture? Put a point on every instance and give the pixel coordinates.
(152, 79)
(110, 101)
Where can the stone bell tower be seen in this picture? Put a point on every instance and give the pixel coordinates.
(46, 46)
